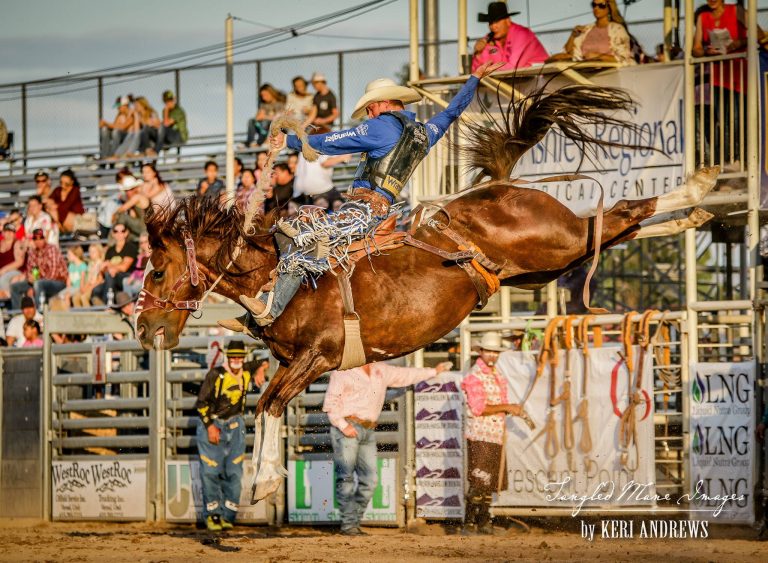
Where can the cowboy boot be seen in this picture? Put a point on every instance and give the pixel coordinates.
(285, 288)
(243, 323)
(257, 308)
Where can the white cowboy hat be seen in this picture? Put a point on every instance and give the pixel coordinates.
(492, 341)
(381, 90)
(129, 182)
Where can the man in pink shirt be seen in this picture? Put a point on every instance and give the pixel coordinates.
(507, 42)
(353, 401)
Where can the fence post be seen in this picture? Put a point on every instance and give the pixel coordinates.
(177, 84)
(46, 397)
(157, 417)
(100, 95)
(24, 125)
(341, 89)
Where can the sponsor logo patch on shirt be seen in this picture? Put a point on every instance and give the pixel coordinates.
(340, 135)
(433, 128)
(362, 129)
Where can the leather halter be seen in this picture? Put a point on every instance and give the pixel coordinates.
(147, 300)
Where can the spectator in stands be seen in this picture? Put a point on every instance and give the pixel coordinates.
(32, 334)
(14, 334)
(150, 126)
(93, 276)
(282, 183)
(606, 40)
(133, 283)
(300, 101)
(155, 189)
(65, 204)
(12, 256)
(43, 185)
(271, 103)
(292, 161)
(5, 140)
(133, 208)
(485, 390)
(77, 272)
(261, 162)
(330, 200)
(247, 189)
(46, 271)
(173, 130)
(129, 146)
(719, 31)
(238, 172)
(211, 185)
(119, 262)
(506, 42)
(315, 178)
(325, 110)
(112, 134)
(16, 220)
(39, 219)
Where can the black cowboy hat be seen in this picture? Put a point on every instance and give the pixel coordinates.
(236, 349)
(496, 11)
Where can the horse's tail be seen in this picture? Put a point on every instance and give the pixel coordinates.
(578, 110)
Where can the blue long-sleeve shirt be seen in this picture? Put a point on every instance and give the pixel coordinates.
(379, 135)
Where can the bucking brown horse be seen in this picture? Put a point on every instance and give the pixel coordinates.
(406, 298)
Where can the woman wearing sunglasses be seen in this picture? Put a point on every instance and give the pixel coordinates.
(606, 40)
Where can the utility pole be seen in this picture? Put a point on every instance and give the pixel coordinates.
(230, 101)
(431, 38)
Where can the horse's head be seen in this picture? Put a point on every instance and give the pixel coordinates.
(172, 289)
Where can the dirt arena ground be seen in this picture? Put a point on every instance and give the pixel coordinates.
(28, 540)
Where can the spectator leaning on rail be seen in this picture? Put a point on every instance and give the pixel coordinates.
(173, 128)
(393, 143)
(606, 40)
(46, 271)
(221, 433)
(507, 42)
(486, 408)
(353, 401)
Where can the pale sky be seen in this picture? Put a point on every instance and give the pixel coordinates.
(42, 38)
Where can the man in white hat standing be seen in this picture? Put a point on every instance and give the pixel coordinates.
(485, 391)
(392, 144)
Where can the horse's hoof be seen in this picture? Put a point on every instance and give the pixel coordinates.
(262, 490)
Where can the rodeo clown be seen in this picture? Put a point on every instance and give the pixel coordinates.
(221, 433)
(392, 144)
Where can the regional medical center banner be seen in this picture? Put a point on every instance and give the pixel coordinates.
(623, 173)
(538, 479)
(722, 441)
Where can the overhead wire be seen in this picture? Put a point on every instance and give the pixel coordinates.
(201, 56)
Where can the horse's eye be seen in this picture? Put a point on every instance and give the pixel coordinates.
(157, 275)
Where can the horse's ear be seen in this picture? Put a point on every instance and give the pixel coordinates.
(153, 221)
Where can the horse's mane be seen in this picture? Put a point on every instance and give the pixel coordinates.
(205, 216)
(493, 149)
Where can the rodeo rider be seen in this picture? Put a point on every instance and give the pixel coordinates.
(485, 391)
(392, 144)
(221, 433)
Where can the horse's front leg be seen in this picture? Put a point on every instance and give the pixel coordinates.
(270, 472)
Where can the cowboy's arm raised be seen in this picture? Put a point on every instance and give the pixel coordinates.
(438, 125)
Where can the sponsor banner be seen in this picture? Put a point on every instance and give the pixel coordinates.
(623, 173)
(184, 493)
(99, 490)
(539, 479)
(439, 447)
(722, 414)
(312, 492)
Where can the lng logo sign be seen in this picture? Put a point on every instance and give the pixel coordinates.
(722, 420)
(312, 491)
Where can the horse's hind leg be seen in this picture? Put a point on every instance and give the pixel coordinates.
(696, 186)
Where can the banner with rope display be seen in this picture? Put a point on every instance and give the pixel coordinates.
(592, 444)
